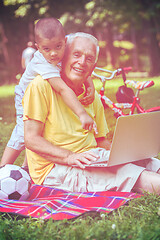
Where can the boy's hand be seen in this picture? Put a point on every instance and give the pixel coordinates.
(89, 97)
(88, 123)
(95, 128)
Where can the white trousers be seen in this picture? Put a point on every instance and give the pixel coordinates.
(117, 178)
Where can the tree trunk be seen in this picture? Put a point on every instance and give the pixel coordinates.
(110, 46)
(154, 50)
(4, 41)
(134, 52)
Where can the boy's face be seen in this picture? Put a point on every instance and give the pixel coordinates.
(52, 49)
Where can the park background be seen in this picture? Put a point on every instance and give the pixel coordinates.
(129, 35)
(128, 31)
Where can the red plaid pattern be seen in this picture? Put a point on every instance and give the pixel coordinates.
(46, 202)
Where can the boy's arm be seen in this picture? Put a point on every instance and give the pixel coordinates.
(23, 63)
(90, 92)
(70, 98)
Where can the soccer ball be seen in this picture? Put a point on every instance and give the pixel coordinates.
(14, 182)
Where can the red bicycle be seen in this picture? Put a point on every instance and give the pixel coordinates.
(126, 98)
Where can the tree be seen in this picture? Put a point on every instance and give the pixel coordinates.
(114, 23)
(150, 13)
(133, 20)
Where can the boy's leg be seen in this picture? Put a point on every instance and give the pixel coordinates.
(148, 181)
(16, 143)
(9, 156)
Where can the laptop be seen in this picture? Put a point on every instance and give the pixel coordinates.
(136, 137)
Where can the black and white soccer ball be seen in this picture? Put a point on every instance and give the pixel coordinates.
(15, 182)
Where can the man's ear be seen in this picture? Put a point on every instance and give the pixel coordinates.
(94, 66)
(65, 41)
(92, 69)
(37, 46)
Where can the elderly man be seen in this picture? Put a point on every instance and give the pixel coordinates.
(58, 147)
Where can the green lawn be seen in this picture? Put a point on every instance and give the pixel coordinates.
(140, 219)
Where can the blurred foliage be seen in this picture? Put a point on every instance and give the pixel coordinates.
(112, 22)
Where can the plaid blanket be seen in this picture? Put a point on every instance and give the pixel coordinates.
(46, 202)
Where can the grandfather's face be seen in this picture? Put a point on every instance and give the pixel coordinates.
(79, 60)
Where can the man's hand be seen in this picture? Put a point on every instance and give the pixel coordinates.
(79, 159)
(88, 123)
(89, 97)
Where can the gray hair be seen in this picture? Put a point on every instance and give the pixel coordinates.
(72, 36)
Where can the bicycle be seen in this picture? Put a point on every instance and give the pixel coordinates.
(126, 98)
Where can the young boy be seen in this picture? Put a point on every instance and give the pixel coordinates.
(50, 42)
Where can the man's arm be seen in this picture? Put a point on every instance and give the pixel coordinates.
(35, 142)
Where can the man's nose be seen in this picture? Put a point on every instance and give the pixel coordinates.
(82, 60)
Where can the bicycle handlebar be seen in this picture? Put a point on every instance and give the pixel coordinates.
(116, 72)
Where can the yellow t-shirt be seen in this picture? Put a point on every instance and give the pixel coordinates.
(62, 127)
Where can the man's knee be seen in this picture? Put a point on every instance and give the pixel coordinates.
(148, 181)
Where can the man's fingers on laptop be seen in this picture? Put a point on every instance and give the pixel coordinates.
(80, 159)
(79, 164)
(88, 158)
(92, 154)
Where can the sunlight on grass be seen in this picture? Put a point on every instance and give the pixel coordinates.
(7, 90)
(139, 219)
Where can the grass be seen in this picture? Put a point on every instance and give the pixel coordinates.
(138, 220)
(7, 118)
